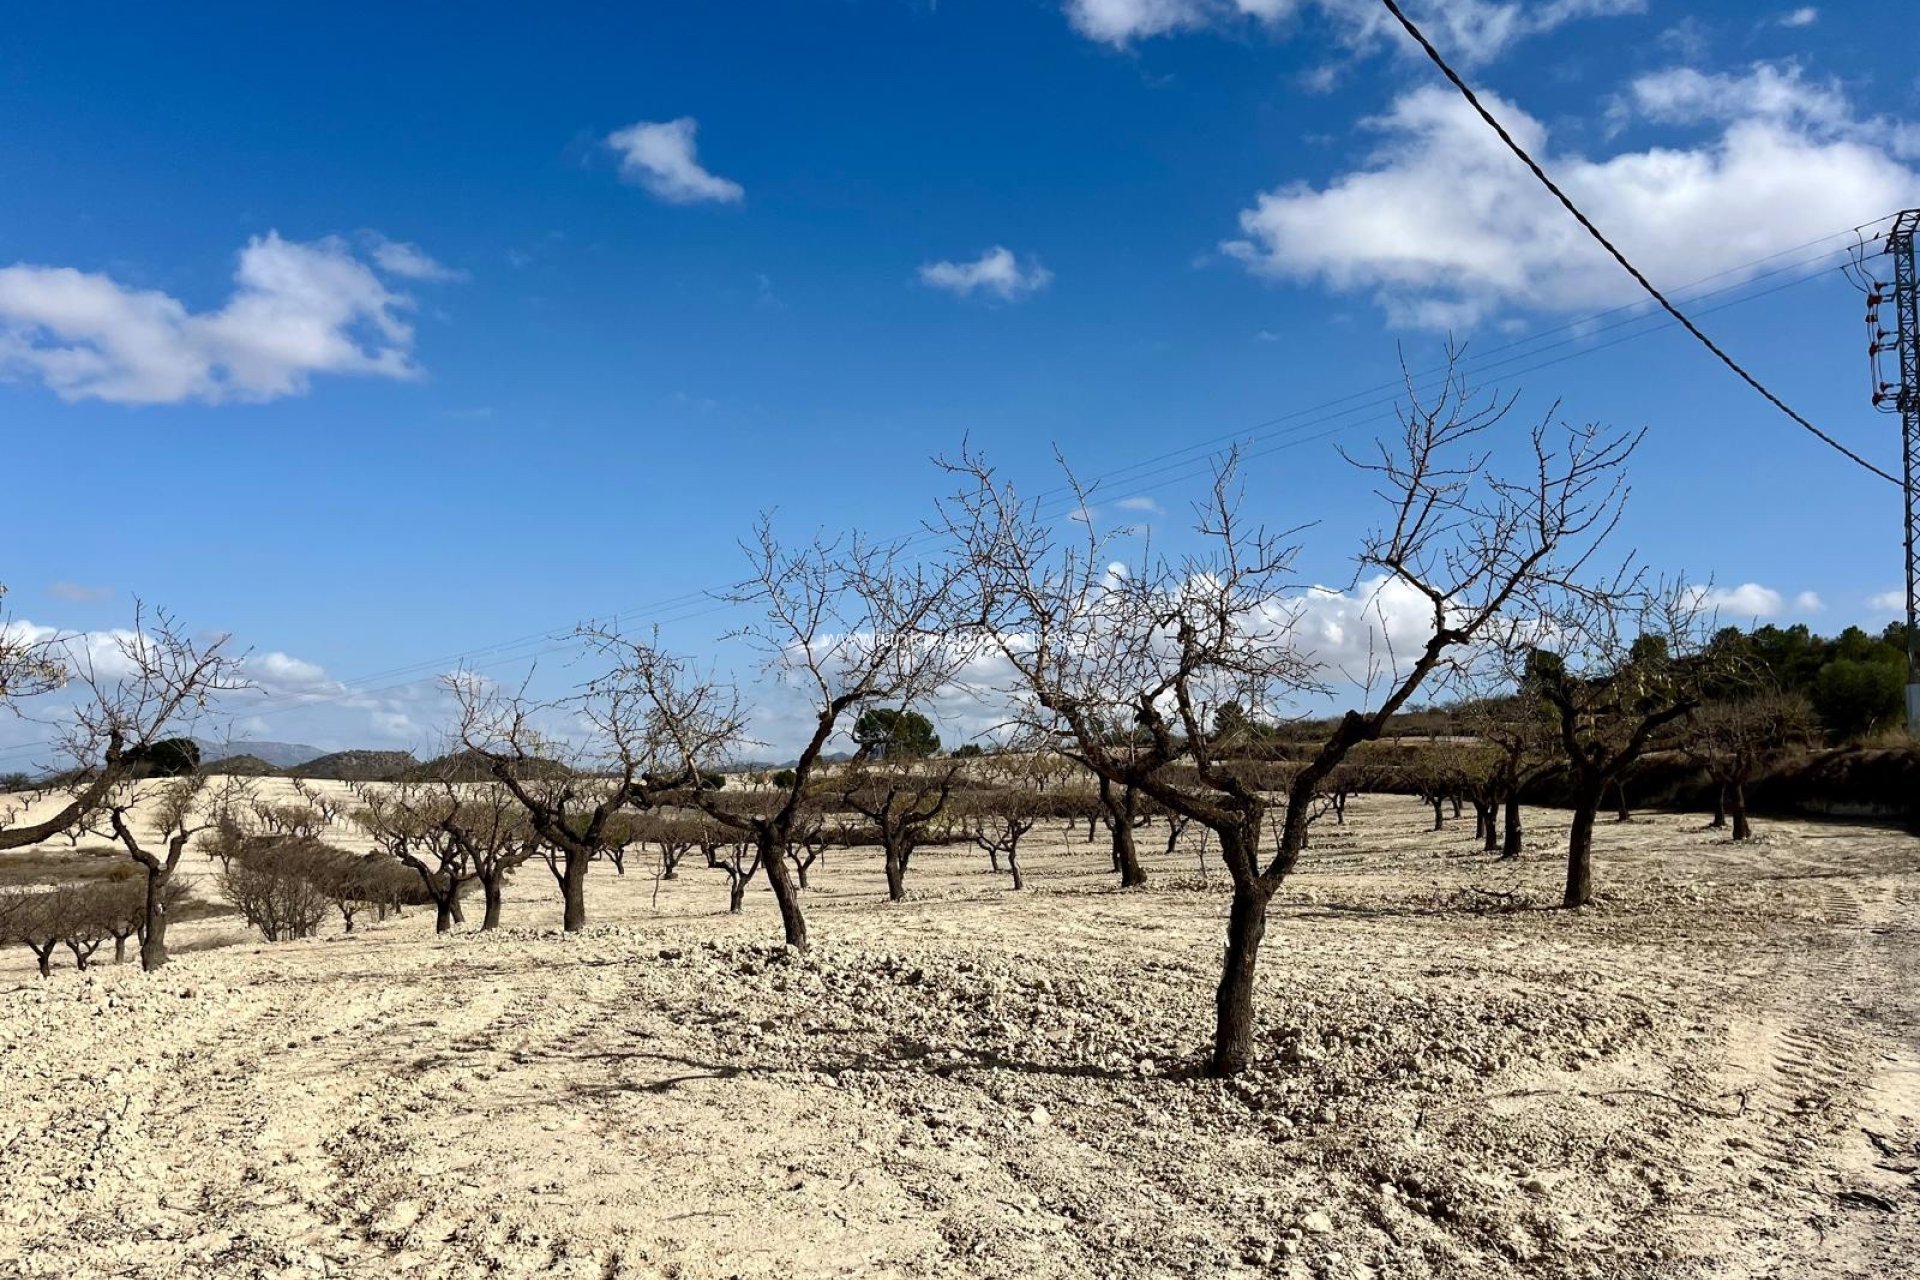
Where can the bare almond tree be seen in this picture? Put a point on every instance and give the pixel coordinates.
(725, 851)
(1095, 639)
(492, 833)
(139, 687)
(998, 820)
(1733, 737)
(574, 793)
(409, 822)
(30, 918)
(902, 801)
(175, 811)
(1525, 746)
(1615, 668)
(843, 624)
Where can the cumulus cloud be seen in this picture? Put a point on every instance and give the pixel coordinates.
(1148, 505)
(1445, 227)
(1474, 31)
(280, 671)
(105, 655)
(995, 272)
(1809, 602)
(298, 309)
(1888, 602)
(1804, 16)
(1746, 601)
(662, 157)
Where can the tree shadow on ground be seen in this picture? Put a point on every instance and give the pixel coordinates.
(898, 1056)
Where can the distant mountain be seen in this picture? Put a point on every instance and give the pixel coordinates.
(471, 766)
(241, 766)
(752, 766)
(357, 766)
(281, 755)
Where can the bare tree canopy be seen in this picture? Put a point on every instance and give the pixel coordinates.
(843, 624)
(139, 690)
(1614, 667)
(1126, 662)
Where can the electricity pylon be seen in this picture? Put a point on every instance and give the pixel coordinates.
(1902, 396)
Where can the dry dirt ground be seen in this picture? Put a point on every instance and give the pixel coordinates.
(1713, 1073)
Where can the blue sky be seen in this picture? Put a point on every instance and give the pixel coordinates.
(382, 337)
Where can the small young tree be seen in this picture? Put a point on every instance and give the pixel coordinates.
(124, 911)
(573, 796)
(273, 885)
(1734, 737)
(725, 851)
(28, 918)
(80, 915)
(409, 822)
(179, 810)
(1626, 663)
(1515, 727)
(1164, 644)
(998, 820)
(847, 624)
(902, 803)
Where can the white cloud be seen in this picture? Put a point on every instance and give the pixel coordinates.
(1748, 600)
(1147, 505)
(1473, 31)
(298, 310)
(996, 272)
(107, 655)
(1809, 602)
(279, 671)
(662, 158)
(410, 261)
(1888, 602)
(1445, 227)
(75, 593)
(1781, 94)
(1805, 16)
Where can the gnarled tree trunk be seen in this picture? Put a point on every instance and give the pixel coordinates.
(896, 872)
(1511, 838)
(785, 893)
(573, 892)
(1737, 809)
(490, 889)
(1246, 927)
(153, 942)
(1586, 808)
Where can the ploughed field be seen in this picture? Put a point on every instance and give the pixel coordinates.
(1714, 1072)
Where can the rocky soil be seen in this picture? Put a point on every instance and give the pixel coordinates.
(1713, 1073)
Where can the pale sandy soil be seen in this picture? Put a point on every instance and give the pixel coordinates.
(1678, 1083)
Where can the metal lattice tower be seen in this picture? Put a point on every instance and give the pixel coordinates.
(1905, 398)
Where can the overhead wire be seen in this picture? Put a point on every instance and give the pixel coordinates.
(1273, 435)
(1639, 277)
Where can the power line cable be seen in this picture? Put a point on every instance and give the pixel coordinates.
(1578, 331)
(1640, 278)
(1269, 436)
